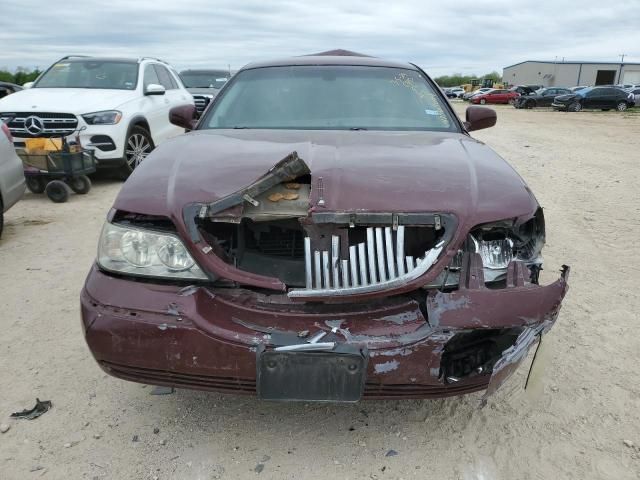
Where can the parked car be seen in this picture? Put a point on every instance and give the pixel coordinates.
(544, 98)
(455, 92)
(304, 248)
(636, 95)
(603, 98)
(495, 96)
(575, 89)
(12, 183)
(480, 91)
(119, 105)
(7, 88)
(204, 85)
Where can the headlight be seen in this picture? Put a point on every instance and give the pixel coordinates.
(135, 251)
(108, 117)
(496, 254)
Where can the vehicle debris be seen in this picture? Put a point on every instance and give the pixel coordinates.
(40, 408)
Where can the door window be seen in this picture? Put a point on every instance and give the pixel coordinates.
(150, 76)
(165, 78)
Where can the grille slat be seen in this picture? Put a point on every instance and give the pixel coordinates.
(380, 261)
(201, 102)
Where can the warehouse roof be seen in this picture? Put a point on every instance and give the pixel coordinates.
(574, 63)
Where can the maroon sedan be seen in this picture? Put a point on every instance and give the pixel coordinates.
(495, 96)
(328, 231)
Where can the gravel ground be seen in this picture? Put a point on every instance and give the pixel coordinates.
(583, 424)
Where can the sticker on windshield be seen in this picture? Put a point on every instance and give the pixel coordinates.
(431, 112)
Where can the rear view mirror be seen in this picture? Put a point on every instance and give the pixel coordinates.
(478, 118)
(27, 85)
(154, 89)
(183, 116)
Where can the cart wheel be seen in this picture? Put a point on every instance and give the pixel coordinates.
(57, 191)
(36, 184)
(80, 184)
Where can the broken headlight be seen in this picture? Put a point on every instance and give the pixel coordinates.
(137, 251)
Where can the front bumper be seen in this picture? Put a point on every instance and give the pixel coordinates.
(208, 338)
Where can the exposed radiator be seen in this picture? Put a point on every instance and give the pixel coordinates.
(377, 264)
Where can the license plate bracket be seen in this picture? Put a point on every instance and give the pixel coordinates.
(335, 376)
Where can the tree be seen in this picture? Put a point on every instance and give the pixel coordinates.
(457, 79)
(20, 76)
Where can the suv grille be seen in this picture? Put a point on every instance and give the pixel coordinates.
(201, 102)
(41, 124)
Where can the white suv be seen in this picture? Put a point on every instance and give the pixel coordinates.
(121, 106)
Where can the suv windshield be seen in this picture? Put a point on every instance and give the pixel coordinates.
(204, 79)
(330, 98)
(90, 74)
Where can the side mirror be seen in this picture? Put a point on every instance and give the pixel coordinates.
(183, 116)
(154, 89)
(27, 85)
(478, 118)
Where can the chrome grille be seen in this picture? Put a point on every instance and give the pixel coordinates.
(377, 264)
(55, 124)
(201, 102)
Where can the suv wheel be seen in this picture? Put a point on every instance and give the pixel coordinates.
(138, 145)
(622, 106)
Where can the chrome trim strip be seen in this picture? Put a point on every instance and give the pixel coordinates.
(353, 261)
(382, 271)
(371, 252)
(307, 263)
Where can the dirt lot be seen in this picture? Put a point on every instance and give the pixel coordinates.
(585, 170)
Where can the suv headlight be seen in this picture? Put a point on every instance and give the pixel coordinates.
(136, 251)
(108, 117)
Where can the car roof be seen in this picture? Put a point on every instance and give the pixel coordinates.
(101, 59)
(331, 57)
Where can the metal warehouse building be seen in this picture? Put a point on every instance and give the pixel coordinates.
(568, 74)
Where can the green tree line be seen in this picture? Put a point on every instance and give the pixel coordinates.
(20, 76)
(457, 79)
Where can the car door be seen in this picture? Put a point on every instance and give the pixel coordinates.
(174, 97)
(547, 98)
(593, 98)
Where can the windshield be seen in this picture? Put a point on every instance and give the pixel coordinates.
(330, 98)
(204, 80)
(90, 74)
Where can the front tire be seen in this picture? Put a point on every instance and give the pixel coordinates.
(622, 106)
(575, 107)
(482, 101)
(57, 191)
(138, 145)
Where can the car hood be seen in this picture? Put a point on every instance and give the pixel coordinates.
(566, 97)
(204, 91)
(71, 100)
(361, 171)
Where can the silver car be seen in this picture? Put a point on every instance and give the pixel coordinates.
(12, 183)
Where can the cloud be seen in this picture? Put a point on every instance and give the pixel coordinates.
(463, 36)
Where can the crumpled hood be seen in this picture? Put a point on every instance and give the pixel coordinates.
(65, 100)
(361, 171)
(566, 97)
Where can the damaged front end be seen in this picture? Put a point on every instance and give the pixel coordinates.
(295, 301)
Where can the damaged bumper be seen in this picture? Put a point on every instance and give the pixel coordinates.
(418, 345)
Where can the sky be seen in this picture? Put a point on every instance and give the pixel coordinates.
(442, 37)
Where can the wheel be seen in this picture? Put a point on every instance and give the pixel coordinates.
(36, 184)
(531, 104)
(622, 106)
(138, 145)
(483, 101)
(574, 107)
(512, 101)
(80, 185)
(57, 191)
